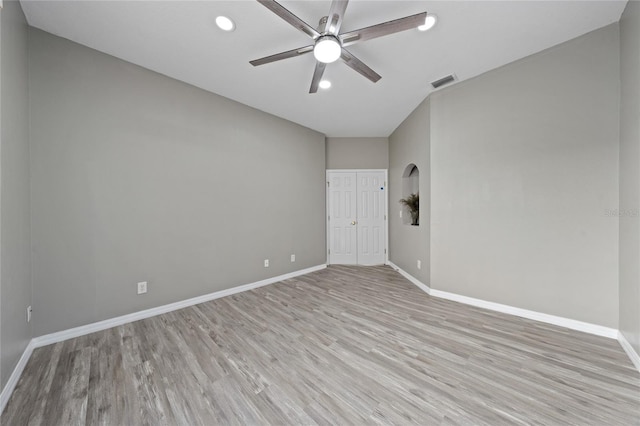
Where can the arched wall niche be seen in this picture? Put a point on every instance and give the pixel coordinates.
(410, 185)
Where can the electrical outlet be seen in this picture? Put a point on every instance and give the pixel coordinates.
(400, 213)
(266, 263)
(293, 258)
(419, 264)
(29, 312)
(142, 287)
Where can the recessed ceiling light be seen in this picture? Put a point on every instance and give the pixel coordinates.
(429, 22)
(324, 84)
(225, 24)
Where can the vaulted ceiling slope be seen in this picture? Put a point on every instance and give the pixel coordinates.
(180, 39)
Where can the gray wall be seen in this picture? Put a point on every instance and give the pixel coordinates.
(408, 144)
(357, 153)
(630, 175)
(2, 381)
(138, 177)
(524, 169)
(15, 264)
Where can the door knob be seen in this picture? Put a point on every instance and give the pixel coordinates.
(353, 222)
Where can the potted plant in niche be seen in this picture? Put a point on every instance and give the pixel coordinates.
(413, 204)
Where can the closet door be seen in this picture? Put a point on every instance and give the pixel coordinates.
(356, 217)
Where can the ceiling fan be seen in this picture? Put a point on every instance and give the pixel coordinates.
(329, 44)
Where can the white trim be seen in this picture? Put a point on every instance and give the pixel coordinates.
(633, 355)
(386, 215)
(60, 336)
(586, 327)
(326, 219)
(411, 278)
(15, 376)
(356, 170)
(113, 322)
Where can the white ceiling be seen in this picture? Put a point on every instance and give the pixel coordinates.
(179, 39)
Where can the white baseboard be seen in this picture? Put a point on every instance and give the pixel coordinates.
(633, 355)
(411, 278)
(586, 327)
(124, 319)
(15, 376)
(60, 336)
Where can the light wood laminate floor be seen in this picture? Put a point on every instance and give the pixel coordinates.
(345, 345)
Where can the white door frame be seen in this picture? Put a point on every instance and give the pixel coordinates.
(386, 208)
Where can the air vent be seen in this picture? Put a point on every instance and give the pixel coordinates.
(442, 81)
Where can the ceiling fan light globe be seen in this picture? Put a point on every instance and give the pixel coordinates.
(327, 49)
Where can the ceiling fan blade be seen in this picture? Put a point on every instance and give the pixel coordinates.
(359, 66)
(336, 14)
(283, 55)
(383, 29)
(317, 76)
(289, 17)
